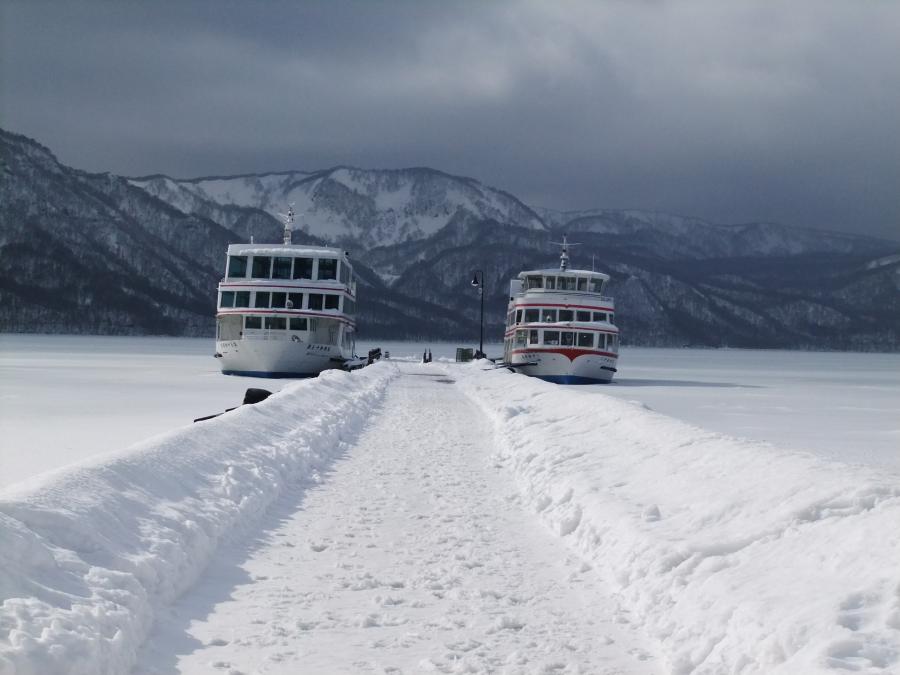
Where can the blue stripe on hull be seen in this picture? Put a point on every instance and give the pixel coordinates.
(571, 379)
(263, 373)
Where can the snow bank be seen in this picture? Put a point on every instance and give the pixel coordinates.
(735, 556)
(88, 555)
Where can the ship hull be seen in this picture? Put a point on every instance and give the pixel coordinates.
(565, 366)
(277, 358)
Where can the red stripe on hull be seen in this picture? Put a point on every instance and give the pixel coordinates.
(570, 354)
(550, 304)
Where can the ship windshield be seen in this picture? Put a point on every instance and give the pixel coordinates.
(303, 268)
(327, 268)
(237, 266)
(262, 267)
(596, 285)
(586, 340)
(281, 268)
(534, 282)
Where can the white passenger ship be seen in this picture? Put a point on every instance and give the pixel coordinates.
(560, 326)
(285, 310)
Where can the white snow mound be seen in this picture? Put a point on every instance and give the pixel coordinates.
(734, 555)
(90, 554)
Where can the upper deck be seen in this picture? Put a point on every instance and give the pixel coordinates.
(286, 265)
(548, 284)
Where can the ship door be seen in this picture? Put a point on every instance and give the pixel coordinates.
(229, 327)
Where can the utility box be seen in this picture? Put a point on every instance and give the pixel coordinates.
(464, 354)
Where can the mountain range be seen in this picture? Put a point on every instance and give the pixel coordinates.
(100, 253)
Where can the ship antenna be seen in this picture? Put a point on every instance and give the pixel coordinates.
(564, 256)
(288, 219)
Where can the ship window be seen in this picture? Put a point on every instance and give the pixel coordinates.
(242, 299)
(345, 273)
(520, 338)
(227, 299)
(566, 315)
(566, 283)
(349, 306)
(599, 316)
(296, 300)
(551, 337)
(237, 266)
(332, 302)
(586, 340)
(582, 284)
(298, 323)
(313, 324)
(315, 301)
(262, 267)
(303, 268)
(567, 339)
(327, 268)
(262, 299)
(252, 322)
(534, 282)
(281, 268)
(601, 341)
(583, 316)
(550, 283)
(276, 322)
(533, 337)
(548, 315)
(279, 299)
(596, 285)
(518, 316)
(532, 315)
(611, 316)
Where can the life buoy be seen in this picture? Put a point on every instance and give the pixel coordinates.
(295, 338)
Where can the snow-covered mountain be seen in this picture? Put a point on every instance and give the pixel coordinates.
(103, 254)
(355, 207)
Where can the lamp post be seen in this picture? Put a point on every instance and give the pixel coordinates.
(478, 282)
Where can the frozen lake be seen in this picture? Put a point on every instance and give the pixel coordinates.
(68, 397)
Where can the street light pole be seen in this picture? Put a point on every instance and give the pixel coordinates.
(478, 282)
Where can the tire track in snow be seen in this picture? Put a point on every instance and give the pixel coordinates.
(413, 555)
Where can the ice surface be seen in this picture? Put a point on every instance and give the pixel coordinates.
(69, 397)
(843, 406)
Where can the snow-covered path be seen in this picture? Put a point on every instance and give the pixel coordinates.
(413, 554)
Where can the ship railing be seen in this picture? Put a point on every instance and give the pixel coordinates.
(267, 334)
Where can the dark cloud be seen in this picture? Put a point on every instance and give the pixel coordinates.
(730, 111)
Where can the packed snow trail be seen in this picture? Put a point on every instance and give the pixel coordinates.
(413, 554)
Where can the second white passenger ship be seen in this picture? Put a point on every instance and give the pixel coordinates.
(285, 310)
(559, 325)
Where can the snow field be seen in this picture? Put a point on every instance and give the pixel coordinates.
(90, 554)
(734, 555)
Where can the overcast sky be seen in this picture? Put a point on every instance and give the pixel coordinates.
(731, 111)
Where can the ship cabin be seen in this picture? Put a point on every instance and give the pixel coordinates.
(556, 310)
(287, 292)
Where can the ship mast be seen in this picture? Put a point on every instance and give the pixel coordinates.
(288, 219)
(564, 256)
